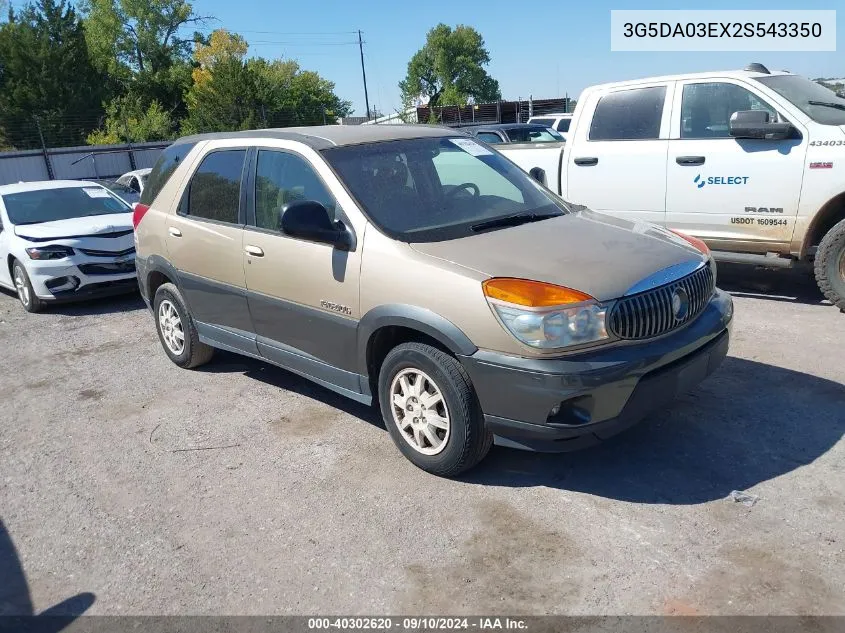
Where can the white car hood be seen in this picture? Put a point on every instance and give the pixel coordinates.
(77, 227)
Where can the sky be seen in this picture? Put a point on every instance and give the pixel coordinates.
(545, 49)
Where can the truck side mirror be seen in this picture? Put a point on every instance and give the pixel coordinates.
(757, 124)
(538, 174)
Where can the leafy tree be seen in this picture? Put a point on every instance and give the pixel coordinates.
(221, 46)
(449, 69)
(138, 43)
(46, 74)
(230, 93)
(226, 100)
(128, 121)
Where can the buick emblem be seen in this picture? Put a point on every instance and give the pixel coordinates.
(680, 303)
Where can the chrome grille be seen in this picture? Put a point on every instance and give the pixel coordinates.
(651, 313)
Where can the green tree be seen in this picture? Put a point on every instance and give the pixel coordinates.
(231, 93)
(226, 100)
(449, 69)
(138, 43)
(129, 121)
(46, 74)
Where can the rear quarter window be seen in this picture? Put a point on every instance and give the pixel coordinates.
(629, 115)
(163, 169)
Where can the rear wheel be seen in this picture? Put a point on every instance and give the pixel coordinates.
(23, 286)
(431, 411)
(176, 329)
(830, 265)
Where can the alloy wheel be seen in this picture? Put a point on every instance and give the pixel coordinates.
(22, 286)
(170, 325)
(419, 411)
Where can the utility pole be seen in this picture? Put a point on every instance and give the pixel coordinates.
(364, 73)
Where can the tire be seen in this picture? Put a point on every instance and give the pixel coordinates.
(830, 265)
(172, 317)
(464, 441)
(23, 286)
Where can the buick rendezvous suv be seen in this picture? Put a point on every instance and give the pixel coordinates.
(418, 268)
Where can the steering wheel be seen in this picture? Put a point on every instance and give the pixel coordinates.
(466, 185)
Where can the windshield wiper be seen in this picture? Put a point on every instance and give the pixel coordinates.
(828, 104)
(513, 220)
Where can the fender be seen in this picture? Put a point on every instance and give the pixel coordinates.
(415, 318)
(153, 264)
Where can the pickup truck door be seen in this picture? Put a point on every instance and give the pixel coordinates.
(737, 194)
(617, 160)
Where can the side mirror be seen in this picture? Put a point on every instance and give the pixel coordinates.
(310, 220)
(538, 174)
(757, 124)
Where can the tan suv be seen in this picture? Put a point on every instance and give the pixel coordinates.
(419, 268)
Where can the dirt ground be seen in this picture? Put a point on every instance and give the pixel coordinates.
(130, 486)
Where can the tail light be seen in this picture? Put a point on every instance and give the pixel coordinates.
(138, 213)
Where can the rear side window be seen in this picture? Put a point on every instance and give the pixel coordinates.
(629, 115)
(546, 122)
(489, 137)
(563, 125)
(166, 164)
(215, 189)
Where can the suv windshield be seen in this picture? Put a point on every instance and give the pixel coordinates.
(64, 203)
(434, 189)
(819, 103)
(533, 135)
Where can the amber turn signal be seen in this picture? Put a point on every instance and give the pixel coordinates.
(533, 294)
(699, 244)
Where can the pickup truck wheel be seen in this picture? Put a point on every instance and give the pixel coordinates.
(830, 265)
(176, 330)
(431, 411)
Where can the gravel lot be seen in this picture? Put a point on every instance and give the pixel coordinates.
(137, 487)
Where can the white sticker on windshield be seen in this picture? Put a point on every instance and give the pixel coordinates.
(471, 147)
(96, 192)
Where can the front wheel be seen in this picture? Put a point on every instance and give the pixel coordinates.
(830, 265)
(431, 411)
(23, 286)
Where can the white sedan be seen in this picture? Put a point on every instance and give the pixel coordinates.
(64, 240)
(135, 180)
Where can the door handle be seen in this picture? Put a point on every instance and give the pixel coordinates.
(690, 160)
(174, 231)
(255, 251)
(587, 161)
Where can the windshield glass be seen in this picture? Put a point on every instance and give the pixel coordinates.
(48, 205)
(819, 103)
(533, 135)
(434, 189)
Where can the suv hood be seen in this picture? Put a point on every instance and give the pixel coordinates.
(595, 253)
(77, 227)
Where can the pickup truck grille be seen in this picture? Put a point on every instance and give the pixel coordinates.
(664, 308)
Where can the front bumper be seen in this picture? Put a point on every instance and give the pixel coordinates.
(81, 278)
(599, 392)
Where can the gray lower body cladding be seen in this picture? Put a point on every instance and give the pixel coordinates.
(598, 393)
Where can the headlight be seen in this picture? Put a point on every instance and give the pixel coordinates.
(49, 252)
(546, 316)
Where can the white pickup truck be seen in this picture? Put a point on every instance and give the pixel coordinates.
(751, 161)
